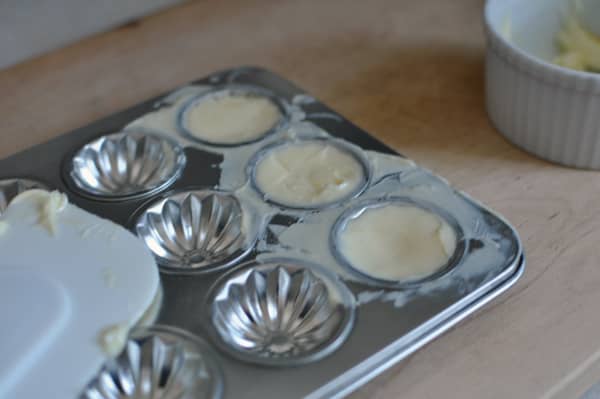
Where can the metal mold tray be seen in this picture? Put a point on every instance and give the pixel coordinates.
(391, 321)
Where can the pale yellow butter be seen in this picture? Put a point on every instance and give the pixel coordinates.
(232, 119)
(113, 338)
(398, 242)
(308, 173)
(579, 48)
(49, 205)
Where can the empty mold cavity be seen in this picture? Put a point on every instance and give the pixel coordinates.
(126, 164)
(281, 312)
(159, 362)
(195, 230)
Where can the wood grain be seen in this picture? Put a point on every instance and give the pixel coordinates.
(411, 73)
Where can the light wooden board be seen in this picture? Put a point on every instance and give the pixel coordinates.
(411, 73)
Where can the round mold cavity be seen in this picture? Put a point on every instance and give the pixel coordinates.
(233, 91)
(194, 231)
(283, 312)
(10, 188)
(358, 155)
(159, 362)
(356, 211)
(127, 164)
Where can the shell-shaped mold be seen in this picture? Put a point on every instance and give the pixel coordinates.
(126, 164)
(195, 231)
(10, 188)
(282, 312)
(159, 362)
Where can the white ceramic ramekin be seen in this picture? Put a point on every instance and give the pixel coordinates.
(545, 109)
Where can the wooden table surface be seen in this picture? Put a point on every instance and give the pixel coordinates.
(411, 73)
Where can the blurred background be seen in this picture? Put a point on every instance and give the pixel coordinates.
(33, 27)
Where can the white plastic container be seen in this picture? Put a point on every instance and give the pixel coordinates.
(548, 110)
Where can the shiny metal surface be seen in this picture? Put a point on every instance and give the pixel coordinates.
(282, 312)
(126, 164)
(232, 90)
(194, 230)
(356, 211)
(159, 362)
(10, 188)
(362, 373)
(391, 322)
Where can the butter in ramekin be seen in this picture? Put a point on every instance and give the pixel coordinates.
(579, 48)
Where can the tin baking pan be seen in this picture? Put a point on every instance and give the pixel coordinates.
(264, 281)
